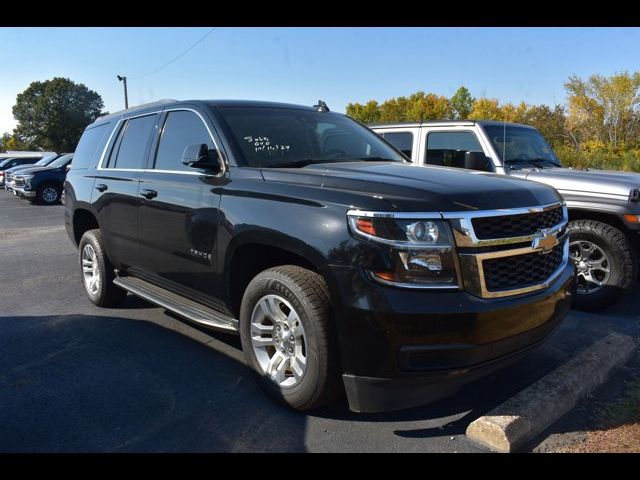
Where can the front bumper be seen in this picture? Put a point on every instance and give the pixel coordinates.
(24, 193)
(402, 348)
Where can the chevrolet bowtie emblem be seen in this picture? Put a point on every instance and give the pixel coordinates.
(544, 242)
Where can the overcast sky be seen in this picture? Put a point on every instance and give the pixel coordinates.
(302, 65)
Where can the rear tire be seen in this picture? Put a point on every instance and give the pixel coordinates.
(591, 241)
(97, 273)
(297, 364)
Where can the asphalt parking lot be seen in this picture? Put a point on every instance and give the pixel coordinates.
(74, 377)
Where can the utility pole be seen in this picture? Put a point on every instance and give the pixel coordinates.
(126, 98)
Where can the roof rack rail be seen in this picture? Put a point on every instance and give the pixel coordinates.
(139, 107)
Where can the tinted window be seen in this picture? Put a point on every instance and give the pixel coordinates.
(4, 163)
(403, 141)
(131, 145)
(280, 137)
(26, 161)
(448, 148)
(88, 146)
(520, 145)
(181, 129)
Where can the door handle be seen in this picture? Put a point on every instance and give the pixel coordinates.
(148, 194)
(101, 187)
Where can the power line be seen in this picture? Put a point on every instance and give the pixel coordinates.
(175, 58)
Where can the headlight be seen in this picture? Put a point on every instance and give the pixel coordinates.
(420, 249)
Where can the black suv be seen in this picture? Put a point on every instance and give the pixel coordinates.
(321, 245)
(43, 184)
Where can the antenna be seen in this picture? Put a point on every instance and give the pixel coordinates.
(321, 106)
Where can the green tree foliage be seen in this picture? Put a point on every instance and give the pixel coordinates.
(52, 114)
(10, 141)
(462, 103)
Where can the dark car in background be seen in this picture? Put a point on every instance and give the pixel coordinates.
(43, 162)
(7, 163)
(43, 184)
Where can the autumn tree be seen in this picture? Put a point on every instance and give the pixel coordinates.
(52, 114)
(605, 108)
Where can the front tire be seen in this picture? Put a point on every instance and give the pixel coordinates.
(97, 271)
(288, 338)
(605, 260)
(48, 194)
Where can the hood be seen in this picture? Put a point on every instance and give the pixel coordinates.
(410, 187)
(34, 170)
(18, 168)
(568, 180)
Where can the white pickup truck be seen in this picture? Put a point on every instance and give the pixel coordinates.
(604, 206)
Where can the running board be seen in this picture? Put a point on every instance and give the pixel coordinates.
(177, 304)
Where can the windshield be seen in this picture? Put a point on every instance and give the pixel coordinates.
(5, 161)
(45, 160)
(59, 162)
(288, 137)
(521, 146)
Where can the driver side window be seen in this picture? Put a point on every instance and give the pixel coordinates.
(448, 148)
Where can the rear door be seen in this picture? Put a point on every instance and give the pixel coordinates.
(115, 194)
(179, 213)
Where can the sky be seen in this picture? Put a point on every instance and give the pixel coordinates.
(302, 65)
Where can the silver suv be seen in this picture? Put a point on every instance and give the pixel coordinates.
(604, 206)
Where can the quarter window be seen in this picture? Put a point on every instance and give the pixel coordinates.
(448, 148)
(131, 144)
(181, 129)
(88, 146)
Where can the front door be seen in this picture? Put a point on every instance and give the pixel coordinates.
(179, 214)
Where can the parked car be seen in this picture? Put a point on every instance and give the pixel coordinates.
(321, 245)
(7, 163)
(43, 184)
(604, 206)
(43, 162)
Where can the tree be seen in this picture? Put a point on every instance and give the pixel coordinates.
(52, 114)
(605, 108)
(367, 113)
(486, 109)
(9, 141)
(462, 104)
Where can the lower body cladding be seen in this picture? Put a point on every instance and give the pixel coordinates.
(402, 348)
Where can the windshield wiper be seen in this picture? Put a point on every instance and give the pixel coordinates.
(536, 162)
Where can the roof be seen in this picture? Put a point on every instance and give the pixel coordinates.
(434, 123)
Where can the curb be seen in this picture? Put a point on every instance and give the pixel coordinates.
(526, 414)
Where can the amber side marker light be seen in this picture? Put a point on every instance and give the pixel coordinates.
(631, 218)
(365, 225)
(390, 277)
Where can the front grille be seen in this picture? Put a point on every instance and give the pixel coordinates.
(19, 182)
(520, 271)
(507, 226)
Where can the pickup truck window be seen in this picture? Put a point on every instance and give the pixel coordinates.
(287, 137)
(131, 144)
(61, 161)
(448, 148)
(181, 129)
(403, 141)
(521, 146)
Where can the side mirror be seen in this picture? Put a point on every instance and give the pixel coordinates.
(68, 167)
(476, 161)
(200, 156)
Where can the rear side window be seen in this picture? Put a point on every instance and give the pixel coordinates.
(181, 129)
(403, 141)
(448, 148)
(89, 146)
(131, 145)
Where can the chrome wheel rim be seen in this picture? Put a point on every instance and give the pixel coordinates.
(90, 270)
(49, 194)
(593, 265)
(278, 340)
